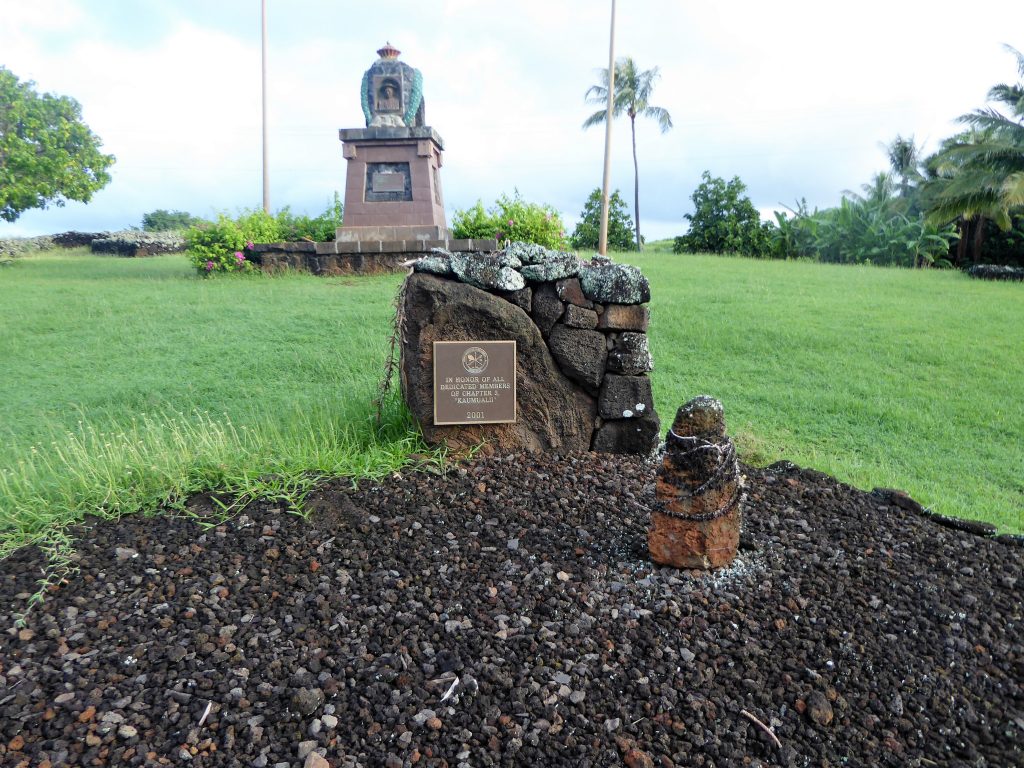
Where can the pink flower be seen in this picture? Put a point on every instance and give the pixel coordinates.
(209, 266)
(249, 244)
(239, 257)
(511, 222)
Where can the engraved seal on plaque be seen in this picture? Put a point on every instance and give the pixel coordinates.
(475, 360)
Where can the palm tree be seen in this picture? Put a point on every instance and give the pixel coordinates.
(904, 159)
(979, 174)
(632, 96)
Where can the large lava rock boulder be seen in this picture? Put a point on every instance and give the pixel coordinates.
(554, 414)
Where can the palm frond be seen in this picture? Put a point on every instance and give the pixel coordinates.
(597, 118)
(1020, 58)
(596, 94)
(1013, 190)
(661, 115)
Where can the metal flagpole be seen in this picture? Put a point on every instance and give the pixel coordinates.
(602, 247)
(266, 175)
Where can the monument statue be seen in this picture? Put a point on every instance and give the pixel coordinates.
(392, 179)
(392, 92)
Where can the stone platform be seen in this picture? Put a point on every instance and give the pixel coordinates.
(358, 257)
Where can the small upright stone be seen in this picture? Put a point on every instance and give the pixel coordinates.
(696, 521)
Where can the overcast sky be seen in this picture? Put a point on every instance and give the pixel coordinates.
(795, 97)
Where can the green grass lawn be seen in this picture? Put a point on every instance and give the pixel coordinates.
(129, 382)
(881, 377)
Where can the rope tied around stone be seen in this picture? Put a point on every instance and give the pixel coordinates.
(726, 465)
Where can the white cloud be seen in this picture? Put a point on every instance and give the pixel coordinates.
(794, 96)
(27, 18)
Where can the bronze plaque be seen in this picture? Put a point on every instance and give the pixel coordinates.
(388, 182)
(474, 382)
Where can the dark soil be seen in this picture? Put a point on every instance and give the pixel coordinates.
(506, 614)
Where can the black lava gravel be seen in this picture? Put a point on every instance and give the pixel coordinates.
(506, 614)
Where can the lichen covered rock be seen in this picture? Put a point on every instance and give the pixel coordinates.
(488, 271)
(614, 284)
(437, 262)
(526, 253)
(556, 265)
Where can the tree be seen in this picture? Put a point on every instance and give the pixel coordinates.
(161, 220)
(47, 154)
(724, 220)
(632, 96)
(904, 161)
(979, 174)
(620, 228)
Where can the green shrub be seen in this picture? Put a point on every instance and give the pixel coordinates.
(320, 229)
(724, 220)
(223, 245)
(512, 218)
(621, 236)
(474, 223)
(226, 244)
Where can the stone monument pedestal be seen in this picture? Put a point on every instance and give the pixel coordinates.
(394, 209)
(392, 185)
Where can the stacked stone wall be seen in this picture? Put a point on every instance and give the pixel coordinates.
(588, 319)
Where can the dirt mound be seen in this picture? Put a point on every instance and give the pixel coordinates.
(506, 614)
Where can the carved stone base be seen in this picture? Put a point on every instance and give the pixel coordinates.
(694, 544)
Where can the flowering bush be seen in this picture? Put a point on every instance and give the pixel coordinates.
(226, 245)
(222, 246)
(512, 218)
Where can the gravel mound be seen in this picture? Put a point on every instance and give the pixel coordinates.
(506, 613)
